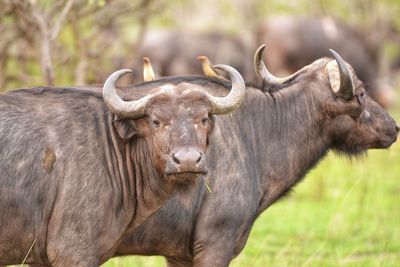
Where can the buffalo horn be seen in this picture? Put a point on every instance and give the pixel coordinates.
(261, 70)
(223, 105)
(346, 87)
(127, 109)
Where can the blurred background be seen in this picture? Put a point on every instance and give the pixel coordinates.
(344, 213)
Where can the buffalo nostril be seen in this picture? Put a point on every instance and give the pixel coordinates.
(199, 159)
(175, 159)
(186, 157)
(397, 128)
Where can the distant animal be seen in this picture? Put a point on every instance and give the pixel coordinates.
(79, 169)
(175, 51)
(257, 154)
(294, 42)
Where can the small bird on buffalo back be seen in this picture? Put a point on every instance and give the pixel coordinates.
(208, 70)
(148, 73)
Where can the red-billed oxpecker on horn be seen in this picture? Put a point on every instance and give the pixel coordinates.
(208, 70)
(79, 169)
(281, 131)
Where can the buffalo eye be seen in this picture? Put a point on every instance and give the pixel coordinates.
(156, 123)
(204, 120)
(361, 98)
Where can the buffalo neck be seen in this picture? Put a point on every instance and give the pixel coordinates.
(138, 188)
(287, 138)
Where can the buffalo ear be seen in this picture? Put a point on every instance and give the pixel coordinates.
(126, 128)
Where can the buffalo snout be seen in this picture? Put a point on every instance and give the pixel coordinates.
(186, 163)
(389, 135)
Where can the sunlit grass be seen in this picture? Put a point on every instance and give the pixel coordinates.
(343, 214)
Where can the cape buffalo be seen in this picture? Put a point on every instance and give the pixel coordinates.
(259, 153)
(294, 42)
(79, 169)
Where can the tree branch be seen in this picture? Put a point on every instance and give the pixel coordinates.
(57, 26)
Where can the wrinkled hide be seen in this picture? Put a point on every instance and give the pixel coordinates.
(74, 177)
(273, 141)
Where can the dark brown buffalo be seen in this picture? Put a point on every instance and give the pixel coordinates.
(175, 52)
(294, 42)
(78, 169)
(257, 154)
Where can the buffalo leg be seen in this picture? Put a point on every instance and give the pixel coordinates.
(215, 253)
(218, 238)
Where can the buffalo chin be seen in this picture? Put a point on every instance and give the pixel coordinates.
(188, 177)
(385, 143)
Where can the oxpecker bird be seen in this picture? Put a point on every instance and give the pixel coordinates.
(148, 73)
(208, 69)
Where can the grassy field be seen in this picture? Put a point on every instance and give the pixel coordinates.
(344, 213)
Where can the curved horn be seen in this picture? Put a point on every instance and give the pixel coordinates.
(261, 70)
(131, 109)
(223, 105)
(346, 88)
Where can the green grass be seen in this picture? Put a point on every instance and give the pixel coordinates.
(345, 213)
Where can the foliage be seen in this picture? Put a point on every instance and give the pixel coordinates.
(76, 42)
(68, 41)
